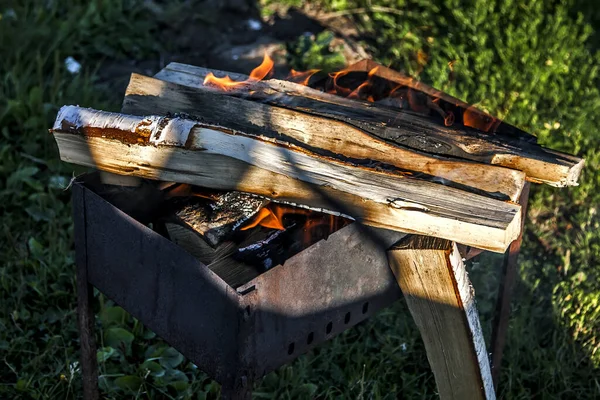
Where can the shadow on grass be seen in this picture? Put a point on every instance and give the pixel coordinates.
(384, 355)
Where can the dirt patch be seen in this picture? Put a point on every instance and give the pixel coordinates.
(229, 35)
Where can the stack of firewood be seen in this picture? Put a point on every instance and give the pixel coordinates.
(377, 162)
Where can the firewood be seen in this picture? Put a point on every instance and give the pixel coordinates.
(207, 227)
(440, 298)
(204, 228)
(231, 158)
(216, 219)
(192, 242)
(147, 95)
(411, 130)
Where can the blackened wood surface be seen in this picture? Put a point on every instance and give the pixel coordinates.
(400, 78)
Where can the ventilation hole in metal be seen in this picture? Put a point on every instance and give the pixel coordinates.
(347, 317)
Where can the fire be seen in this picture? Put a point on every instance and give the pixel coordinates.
(347, 92)
(407, 90)
(270, 216)
(338, 89)
(301, 77)
(364, 86)
(313, 223)
(226, 83)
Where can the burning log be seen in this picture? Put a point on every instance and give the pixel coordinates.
(239, 236)
(216, 219)
(237, 157)
(204, 226)
(316, 133)
(514, 150)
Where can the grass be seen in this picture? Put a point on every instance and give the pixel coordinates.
(536, 64)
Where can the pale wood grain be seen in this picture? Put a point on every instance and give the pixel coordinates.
(440, 297)
(210, 156)
(403, 127)
(147, 95)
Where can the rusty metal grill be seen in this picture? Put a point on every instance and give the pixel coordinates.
(236, 336)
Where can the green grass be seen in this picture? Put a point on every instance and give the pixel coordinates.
(536, 64)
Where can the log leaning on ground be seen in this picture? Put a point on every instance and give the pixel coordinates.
(316, 133)
(413, 131)
(189, 151)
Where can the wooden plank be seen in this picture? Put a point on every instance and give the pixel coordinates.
(408, 129)
(439, 295)
(187, 151)
(317, 133)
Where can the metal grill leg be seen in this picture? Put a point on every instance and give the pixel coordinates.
(85, 294)
(240, 391)
(89, 365)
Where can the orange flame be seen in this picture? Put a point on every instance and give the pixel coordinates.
(257, 74)
(338, 89)
(356, 93)
(269, 217)
(301, 77)
(364, 86)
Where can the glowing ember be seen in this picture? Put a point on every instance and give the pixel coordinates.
(257, 74)
(449, 119)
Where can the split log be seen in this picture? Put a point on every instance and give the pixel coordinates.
(207, 236)
(190, 151)
(411, 130)
(440, 298)
(205, 228)
(213, 232)
(147, 95)
(225, 213)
